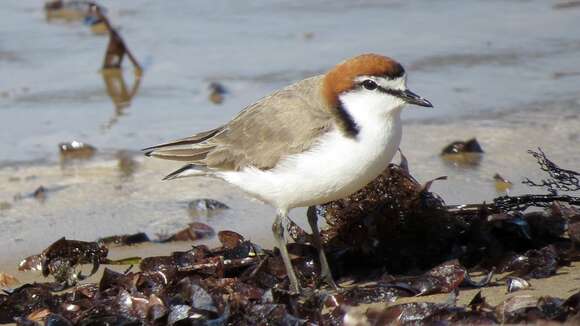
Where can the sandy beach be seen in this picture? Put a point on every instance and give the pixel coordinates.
(512, 84)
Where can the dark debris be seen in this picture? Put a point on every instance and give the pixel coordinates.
(459, 147)
(124, 240)
(217, 92)
(514, 310)
(393, 239)
(205, 207)
(559, 180)
(76, 150)
(194, 231)
(463, 153)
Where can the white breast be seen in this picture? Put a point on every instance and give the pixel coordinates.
(335, 167)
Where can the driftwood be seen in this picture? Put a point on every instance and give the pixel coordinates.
(116, 49)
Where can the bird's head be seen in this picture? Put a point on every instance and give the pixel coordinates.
(369, 82)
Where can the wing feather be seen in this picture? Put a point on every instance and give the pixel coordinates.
(284, 123)
(195, 139)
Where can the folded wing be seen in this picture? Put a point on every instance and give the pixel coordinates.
(287, 122)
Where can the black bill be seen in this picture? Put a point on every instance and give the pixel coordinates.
(413, 98)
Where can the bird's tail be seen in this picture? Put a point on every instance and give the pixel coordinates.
(189, 170)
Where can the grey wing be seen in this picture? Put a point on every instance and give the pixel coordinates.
(285, 123)
(186, 149)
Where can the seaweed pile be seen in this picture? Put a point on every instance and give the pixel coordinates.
(396, 223)
(392, 239)
(514, 310)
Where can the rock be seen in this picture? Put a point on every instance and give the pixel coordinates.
(205, 207)
(76, 150)
(195, 231)
(40, 193)
(514, 284)
(463, 153)
(217, 92)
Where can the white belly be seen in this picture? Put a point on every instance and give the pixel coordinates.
(334, 168)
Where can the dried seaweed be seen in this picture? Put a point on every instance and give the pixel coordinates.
(394, 235)
(62, 257)
(384, 224)
(560, 179)
(521, 203)
(516, 309)
(194, 231)
(124, 240)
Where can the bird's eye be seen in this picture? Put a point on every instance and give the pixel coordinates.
(369, 84)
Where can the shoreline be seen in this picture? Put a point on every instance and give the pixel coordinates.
(89, 200)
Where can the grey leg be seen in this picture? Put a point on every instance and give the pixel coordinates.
(326, 273)
(278, 230)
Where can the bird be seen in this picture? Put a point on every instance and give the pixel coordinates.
(317, 140)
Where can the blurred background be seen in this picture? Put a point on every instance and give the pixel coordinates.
(504, 72)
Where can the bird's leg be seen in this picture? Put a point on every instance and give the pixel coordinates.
(317, 242)
(278, 230)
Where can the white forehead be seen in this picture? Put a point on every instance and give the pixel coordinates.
(399, 83)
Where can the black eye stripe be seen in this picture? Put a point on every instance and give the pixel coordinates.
(394, 92)
(367, 84)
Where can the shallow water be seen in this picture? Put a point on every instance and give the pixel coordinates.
(466, 57)
(504, 72)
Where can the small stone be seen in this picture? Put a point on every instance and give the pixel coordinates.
(217, 92)
(205, 207)
(230, 239)
(194, 231)
(463, 153)
(457, 147)
(40, 193)
(516, 283)
(76, 150)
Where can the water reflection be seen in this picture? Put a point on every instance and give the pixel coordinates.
(112, 73)
(68, 11)
(120, 92)
(127, 164)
